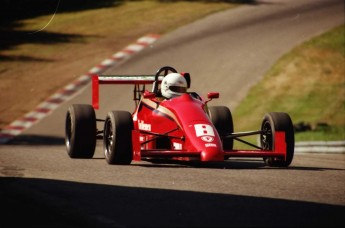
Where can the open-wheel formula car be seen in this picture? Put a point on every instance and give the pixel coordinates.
(183, 127)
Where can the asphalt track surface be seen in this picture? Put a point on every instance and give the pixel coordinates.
(226, 52)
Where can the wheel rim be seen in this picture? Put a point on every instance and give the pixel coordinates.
(267, 136)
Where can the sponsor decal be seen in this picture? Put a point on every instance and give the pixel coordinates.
(210, 145)
(177, 146)
(144, 126)
(207, 138)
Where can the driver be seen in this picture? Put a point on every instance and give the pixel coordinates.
(173, 85)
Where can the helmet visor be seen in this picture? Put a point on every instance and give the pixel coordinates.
(178, 89)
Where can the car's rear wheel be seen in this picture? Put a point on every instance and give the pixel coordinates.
(80, 131)
(117, 140)
(222, 120)
(273, 122)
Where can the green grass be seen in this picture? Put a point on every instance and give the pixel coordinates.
(309, 84)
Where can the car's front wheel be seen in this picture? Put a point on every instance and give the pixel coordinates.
(117, 140)
(222, 120)
(273, 122)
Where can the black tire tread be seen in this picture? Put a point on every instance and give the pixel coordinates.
(122, 125)
(81, 141)
(221, 118)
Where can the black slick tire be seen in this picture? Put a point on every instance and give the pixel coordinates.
(117, 140)
(222, 120)
(80, 131)
(273, 122)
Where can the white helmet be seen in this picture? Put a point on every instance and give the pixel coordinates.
(173, 85)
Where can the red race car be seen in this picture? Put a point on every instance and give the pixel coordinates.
(170, 123)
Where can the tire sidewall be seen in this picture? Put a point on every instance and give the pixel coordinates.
(80, 131)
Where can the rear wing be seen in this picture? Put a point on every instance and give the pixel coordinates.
(135, 80)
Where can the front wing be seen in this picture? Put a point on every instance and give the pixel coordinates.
(139, 154)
